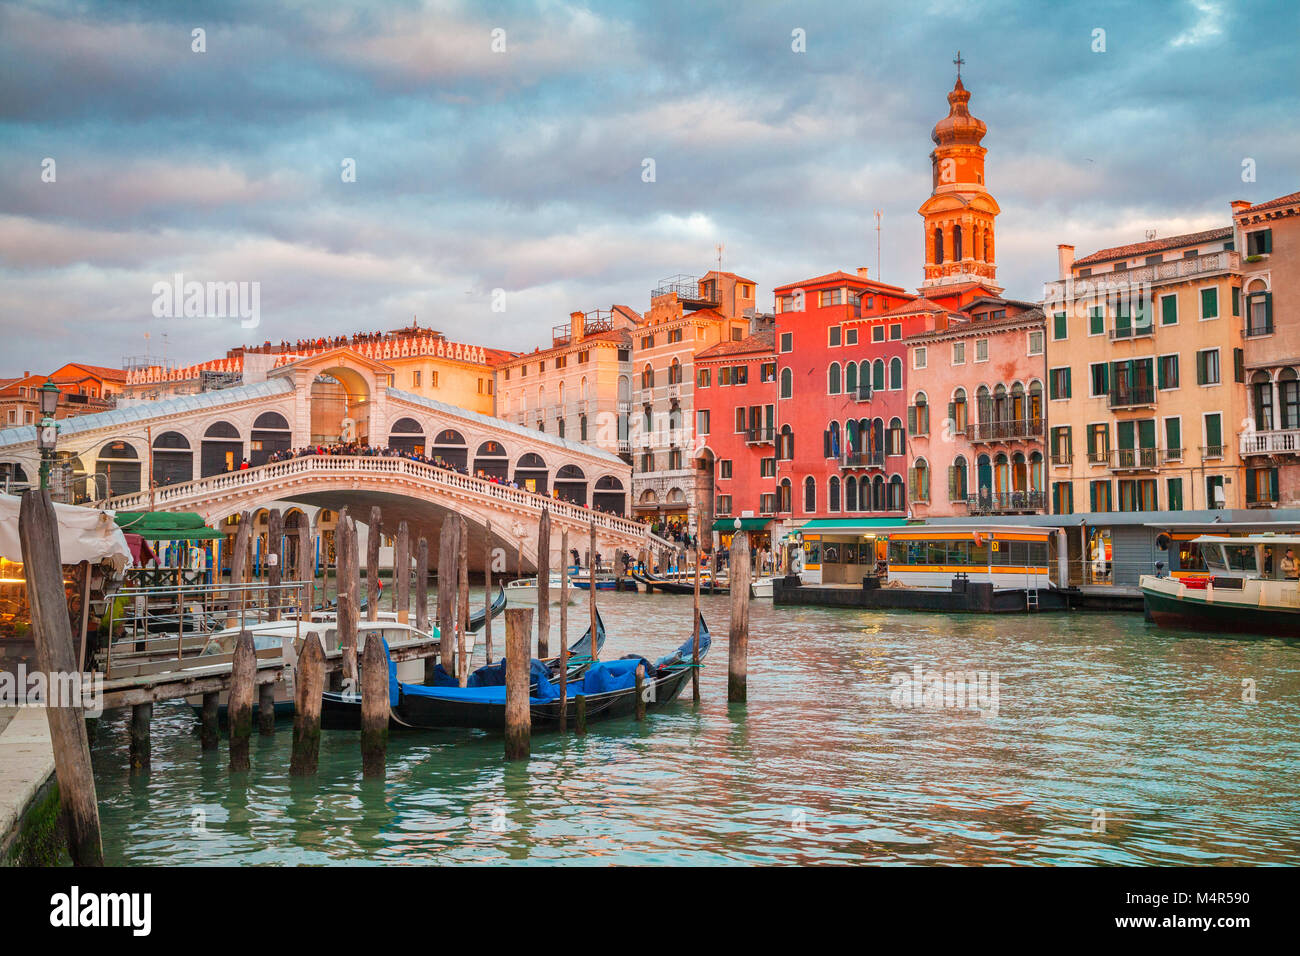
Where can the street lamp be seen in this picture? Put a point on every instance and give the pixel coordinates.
(47, 433)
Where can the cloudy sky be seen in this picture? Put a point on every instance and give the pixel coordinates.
(522, 170)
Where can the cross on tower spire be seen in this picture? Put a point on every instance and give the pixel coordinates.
(959, 61)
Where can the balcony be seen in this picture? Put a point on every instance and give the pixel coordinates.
(1062, 458)
(1280, 442)
(674, 392)
(624, 407)
(561, 335)
(1122, 333)
(1005, 502)
(862, 459)
(1211, 451)
(1253, 330)
(862, 393)
(1133, 396)
(1136, 459)
(1021, 430)
(1112, 283)
(692, 291)
(763, 435)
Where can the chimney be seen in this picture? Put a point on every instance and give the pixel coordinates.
(862, 272)
(577, 323)
(1064, 260)
(27, 373)
(1239, 204)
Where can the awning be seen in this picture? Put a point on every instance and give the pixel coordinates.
(85, 534)
(166, 525)
(727, 525)
(851, 525)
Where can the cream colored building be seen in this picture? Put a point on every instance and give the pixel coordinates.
(580, 387)
(1145, 377)
(687, 315)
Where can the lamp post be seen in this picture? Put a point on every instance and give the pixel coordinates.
(47, 433)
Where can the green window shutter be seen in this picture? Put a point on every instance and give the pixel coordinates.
(1209, 303)
(1268, 309)
(1200, 368)
(1162, 380)
(911, 419)
(1236, 300)
(1096, 321)
(952, 411)
(1059, 325)
(1173, 434)
(1124, 434)
(1175, 494)
(1067, 383)
(1251, 477)
(1213, 430)
(1267, 244)
(1169, 309)
(1092, 441)
(952, 482)
(1239, 365)
(1272, 484)
(1092, 496)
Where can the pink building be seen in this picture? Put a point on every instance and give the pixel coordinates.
(975, 418)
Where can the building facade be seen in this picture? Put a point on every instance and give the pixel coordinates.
(688, 314)
(975, 420)
(1145, 368)
(1268, 236)
(581, 387)
(736, 438)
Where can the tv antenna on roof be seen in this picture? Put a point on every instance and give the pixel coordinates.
(1150, 234)
(720, 247)
(878, 215)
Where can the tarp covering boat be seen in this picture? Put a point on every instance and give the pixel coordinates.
(166, 525)
(85, 534)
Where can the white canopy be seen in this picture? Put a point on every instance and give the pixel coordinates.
(85, 534)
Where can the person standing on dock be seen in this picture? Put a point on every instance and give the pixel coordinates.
(1289, 567)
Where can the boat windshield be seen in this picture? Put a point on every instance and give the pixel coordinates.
(1241, 557)
(1213, 558)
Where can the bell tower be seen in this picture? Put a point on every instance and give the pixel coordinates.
(959, 215)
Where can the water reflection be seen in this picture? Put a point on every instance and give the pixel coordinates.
(1096, 714)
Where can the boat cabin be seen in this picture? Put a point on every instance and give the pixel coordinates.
(1008, 557)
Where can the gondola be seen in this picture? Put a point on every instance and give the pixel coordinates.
(479, 617)
(341, 711)
(674, 585)
(609, 688)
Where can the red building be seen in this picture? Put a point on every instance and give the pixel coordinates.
(735, 428)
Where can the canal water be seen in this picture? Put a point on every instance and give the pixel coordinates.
(1103, 741)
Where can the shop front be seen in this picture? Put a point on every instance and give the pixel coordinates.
(832, 551)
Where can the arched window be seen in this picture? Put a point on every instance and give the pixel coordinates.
(785, 450)
(897, 500)
(957, 479)
(850, 378)
(648, 378)
(121, 463)
(878, 496)
(956, 244)
(957, 411)
(1036, 474)
(918, 416)
(895, 373)
(784, 503)
(938, 245)
(833, 379)
(810, 495)
(833, 495)
(173, 460)
(894, 440)
(831, 441)
(878, 375)
(1036, 402)
(1288, 399)
(787, 383)
(675, 373)
(919, 481)
(983, 405)
(850, 494)
(1262, 387)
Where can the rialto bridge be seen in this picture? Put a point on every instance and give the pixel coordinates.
(187, 453)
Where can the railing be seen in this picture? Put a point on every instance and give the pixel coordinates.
(1132, 332)
(674, 391)
(1173, 454)
(1254, 329)
(340, 465)
(863, 393)
(1135, 459)
(1281, 442)
(688, 288)
(1003, 501)
(1005, 431)
(1062, 458)
(763, 435)
(1212, 451)
(561, 335)
(863, 459)
(1132, 396)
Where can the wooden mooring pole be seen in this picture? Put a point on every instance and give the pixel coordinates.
(487, 592)
(209, 729)
(274, 537)
(544, 585)
(238, 558)
(239, 707)
(640, 692)
(422, 584)
(306, 568)
(38, 532)
(591, 577)
(310, 685)
(374, 707)
(346, 561)
(402, 572)
(373, 538)
(738, 639)
(448, 553)
(466, 647)
(519, 721)
(141, 714)
(266, 710)
(695, 634)
(564, 630)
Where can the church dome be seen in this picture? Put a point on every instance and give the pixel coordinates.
(959, 126)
